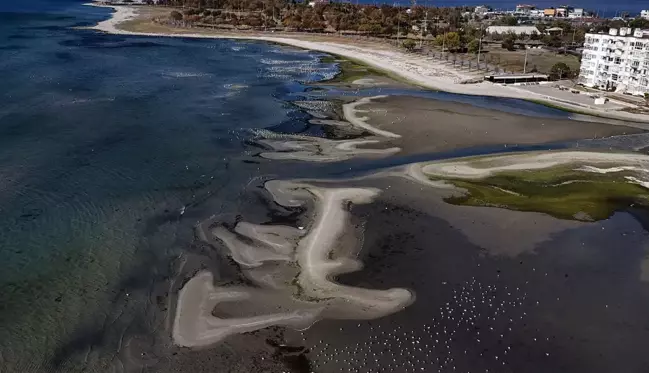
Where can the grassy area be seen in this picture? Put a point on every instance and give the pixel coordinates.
(541, 59)
(561, 192)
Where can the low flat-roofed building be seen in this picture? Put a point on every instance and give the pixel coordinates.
(518, 30)
(516, 78)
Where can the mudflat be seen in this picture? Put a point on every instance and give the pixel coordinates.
(427, 125)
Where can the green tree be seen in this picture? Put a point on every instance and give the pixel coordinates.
(450, 40)
(552, 41)
(409, 44)
(580, 36)
(509, 42)
(175, 15)
(639, 23)
(507, 21)
(560, 71)
(473, 46)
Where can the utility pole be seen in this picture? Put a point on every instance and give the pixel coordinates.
(421, 34)
(574, 31)
(480, 45)
(398, 22)
(443, 43)
(525, 63)
(398, 27)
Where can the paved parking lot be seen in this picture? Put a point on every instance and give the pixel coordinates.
(582, 98)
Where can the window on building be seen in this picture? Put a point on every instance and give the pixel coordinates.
(618, 60)
(614, 77)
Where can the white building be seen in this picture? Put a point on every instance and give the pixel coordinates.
(518, 30)
(524, 9)
(480, 10)
(644, 14)
(537, 13)
(576, 13)
(616, 61)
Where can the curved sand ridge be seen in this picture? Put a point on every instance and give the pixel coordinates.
(351, 109)
(318, 149)
(292, 269)
(482, 167)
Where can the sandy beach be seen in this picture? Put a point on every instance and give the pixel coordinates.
(419, 70)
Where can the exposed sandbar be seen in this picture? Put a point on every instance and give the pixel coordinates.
(271, 255)
(481, 167)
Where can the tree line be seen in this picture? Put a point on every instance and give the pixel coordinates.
(453, 28)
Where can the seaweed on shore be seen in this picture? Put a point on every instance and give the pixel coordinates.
(351, 70)
(562, 192)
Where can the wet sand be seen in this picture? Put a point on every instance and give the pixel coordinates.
(572, 303)
(383, 126)
(381, 274)
(427, 126)
(291, 270)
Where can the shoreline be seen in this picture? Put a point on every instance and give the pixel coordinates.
(415, 70)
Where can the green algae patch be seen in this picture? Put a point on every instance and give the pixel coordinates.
(562, 192)
(350, 70)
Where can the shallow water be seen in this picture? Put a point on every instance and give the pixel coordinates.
(113, 148)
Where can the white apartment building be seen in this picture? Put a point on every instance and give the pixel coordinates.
(617, 61)
(644, 14)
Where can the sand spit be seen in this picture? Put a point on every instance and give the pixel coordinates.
(195, 325)
(317, 268)
(292, 269)
(481, 167)
(351, 111)
(318, 149)
(268, 243)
